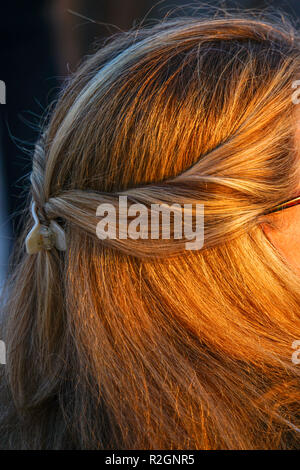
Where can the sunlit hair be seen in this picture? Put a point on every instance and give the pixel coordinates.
(140, 344)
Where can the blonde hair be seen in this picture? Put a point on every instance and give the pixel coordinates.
(139, 344)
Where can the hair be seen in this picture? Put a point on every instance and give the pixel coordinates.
(140, 344)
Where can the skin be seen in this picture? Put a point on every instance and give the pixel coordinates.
(284, 234)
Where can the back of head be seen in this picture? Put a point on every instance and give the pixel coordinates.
(139, 343)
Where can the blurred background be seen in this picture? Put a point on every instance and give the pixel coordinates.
(42, 41)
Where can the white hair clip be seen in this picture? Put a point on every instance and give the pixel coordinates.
(42, 237)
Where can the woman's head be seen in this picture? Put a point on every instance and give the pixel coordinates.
(139, 343)
(212, 97)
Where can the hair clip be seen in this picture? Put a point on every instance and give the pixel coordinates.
(42, 237)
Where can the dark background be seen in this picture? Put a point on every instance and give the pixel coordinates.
(41, 42)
